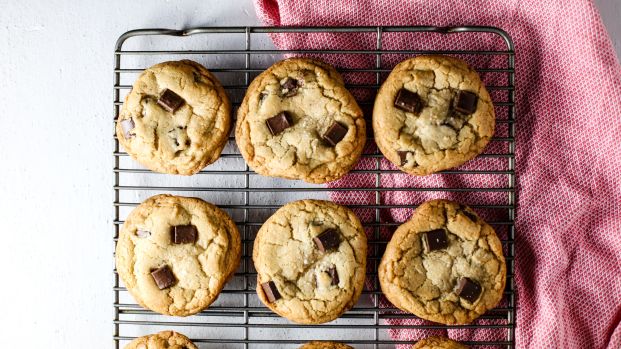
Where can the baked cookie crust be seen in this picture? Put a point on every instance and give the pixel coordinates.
(314, 98)
(325, 345)
(199, 268)
(438, 343)
(438, 134)
(314, 285)
(162, 340)
(426, 283)
(186, 139)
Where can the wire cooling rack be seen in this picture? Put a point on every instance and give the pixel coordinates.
(236, 55)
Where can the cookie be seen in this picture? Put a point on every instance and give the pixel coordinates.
(175, 254)
(310, 258)
(162, 340)
(444, 265)
(325, 345)
(432, 113)
(176, 119)
(298, 121)
(438, 343)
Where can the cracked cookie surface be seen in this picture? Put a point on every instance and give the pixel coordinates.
(314, 97)
(162, 340)
(200, 264)
(286, 253)
(325, 345)
(435, 137)
(438, 343)
(426, 283)
(182, 141)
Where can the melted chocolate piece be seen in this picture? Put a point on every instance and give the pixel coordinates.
(163, 277)
(334, 134)
(334, 275)
(270, 290)
(435, 240)
(403, 155)
(408, 101)
(184, 234)
(290, 87)
(465, 102)
(128, 125)
(143, 233)
(278, 123)
(468, 290)
(170, 101)
(328, 240)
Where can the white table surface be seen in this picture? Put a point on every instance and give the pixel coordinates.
(55, 189)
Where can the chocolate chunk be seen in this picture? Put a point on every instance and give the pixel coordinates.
(270, 290)
(435, 240)
(127, 125)
(334, 275)
(334, 134)
(408, 101)
(183, 234)
(465, 102)
(278, 123)
(290, 87)
(163, 277)
(403, 155)
(468, 290)
(170, 101)
(143, 233)
(328, 240)
(470, 216)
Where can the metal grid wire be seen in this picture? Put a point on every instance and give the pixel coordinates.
(236, 55)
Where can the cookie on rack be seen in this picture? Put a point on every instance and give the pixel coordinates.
(444, 265)
(176, 119)
(438, 343)
(432, 113)
(162, 340)
(174, 254)
(310, 258)
(298, 121)
(325, 345)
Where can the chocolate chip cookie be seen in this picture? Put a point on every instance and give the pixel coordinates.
(432, 113)
(298, 121)
(310, 258)
(438, 343)
(444, 265)
(175, 254)
(176, 119)
(162, 340)
(325, 345)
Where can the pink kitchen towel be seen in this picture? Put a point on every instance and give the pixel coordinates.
(568, 134)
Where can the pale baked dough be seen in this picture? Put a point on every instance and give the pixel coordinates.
(201, 268)
(325, 345)
(284, 252)
(162, 340)
(183, 142)
(424, 283)
(299, 151)
(436, 138)
(438, 343)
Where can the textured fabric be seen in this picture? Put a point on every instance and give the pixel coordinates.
(568, 98)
